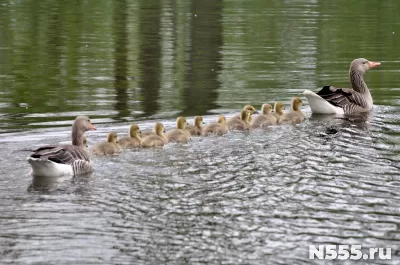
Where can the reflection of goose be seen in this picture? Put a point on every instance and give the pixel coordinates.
(265, 118)
(133, 140)
(197, 128)
(218, 128)
(64, 160)
(179, 134)
(240, 125)
(332, 100)
(157, 139)
(109, 147)
(294, 115)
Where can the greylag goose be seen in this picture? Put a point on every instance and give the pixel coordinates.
(333, 100)
(278, 110)
(294, 115)
(179, 134)
(240, 125)
(218, 128)
(265, 118)
(64, 160)
(109, 147)
(157, 139)
(133, 140)
(249, 108)
(197, 128)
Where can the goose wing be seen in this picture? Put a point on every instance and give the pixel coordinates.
(64, 154)
(350, 100)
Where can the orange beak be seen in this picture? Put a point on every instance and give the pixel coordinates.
(373, 64)
(91, 127)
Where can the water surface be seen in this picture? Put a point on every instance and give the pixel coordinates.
(258, 198)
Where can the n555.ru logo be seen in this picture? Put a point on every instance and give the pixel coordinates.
(343, 252)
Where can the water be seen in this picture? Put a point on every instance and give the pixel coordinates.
(259, 198)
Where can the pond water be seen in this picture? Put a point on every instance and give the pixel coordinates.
(257, 198)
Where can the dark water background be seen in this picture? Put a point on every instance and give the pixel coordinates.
(260, 198)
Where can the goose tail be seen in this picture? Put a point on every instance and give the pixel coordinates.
(47, 168)
(319, 105)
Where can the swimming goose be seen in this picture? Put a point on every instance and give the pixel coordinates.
(179, 134)
(278, 110)
(249, 108)
(197, 128)
(64, 160)
(294, 115)
(333, 100)
(218, 128)
(133, 140)
(157, 139)
(265, 119)
(109, 147)
(241, 125)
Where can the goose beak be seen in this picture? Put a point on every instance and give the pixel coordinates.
(373, 64)
(92, 128)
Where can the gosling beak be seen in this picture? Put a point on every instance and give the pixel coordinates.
(92, 128)
(256, 112)
(373, 64)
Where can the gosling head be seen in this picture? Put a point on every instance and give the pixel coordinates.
(221, 119)
(266, 109)
(198, 121)
(134, 131)
(245, 115)
(112, 137)
(362, 65)
(296, 103)
(159, 128)
(181, 123)
(278, 108)
(84, 142)
(250, 108)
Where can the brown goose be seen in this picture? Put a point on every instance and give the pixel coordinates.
(294, 115)
(218, 128)
(133, 140)
(179, 134)
(197, 128)
(333, 100)
(240, 125)
(64, 160)
(278, 110)
(265, 118)
(157, 139)
(109, 147)
(249, 108)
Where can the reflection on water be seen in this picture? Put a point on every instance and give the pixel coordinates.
(258, 198)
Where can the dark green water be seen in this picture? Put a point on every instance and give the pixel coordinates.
(261, 198)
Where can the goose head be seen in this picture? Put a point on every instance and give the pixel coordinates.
(159, 129)
(198, 121)
(362, 65)
(266, 109)
(112, 138)
(181, 123)
(134, 131)
(296, 103)
(245, 115)
(221, 119)
(278, 108)
(82, 123)
(250, 108)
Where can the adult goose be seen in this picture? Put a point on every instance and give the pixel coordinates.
(333, 100)
(64, 160)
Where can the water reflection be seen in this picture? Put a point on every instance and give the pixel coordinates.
(149, 57)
